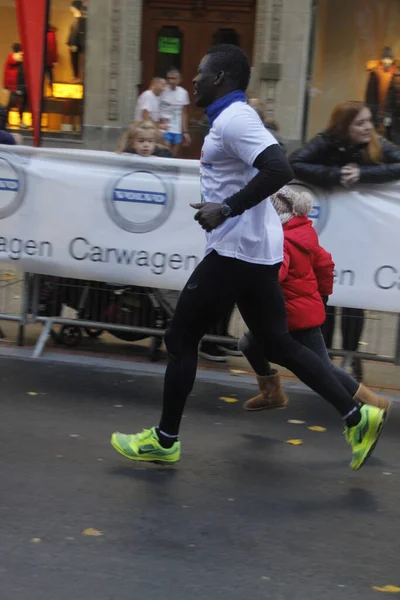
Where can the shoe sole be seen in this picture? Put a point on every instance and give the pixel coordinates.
(273, 407)
(373, 446)
(138, 459)
(230, 351)
(217, 359)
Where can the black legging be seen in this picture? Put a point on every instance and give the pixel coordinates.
(49, 72)
(217, 283)
(352, 327)
(75, 63)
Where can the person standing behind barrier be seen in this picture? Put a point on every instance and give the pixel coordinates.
(174, 101)
(141, 138)
(347, 153)
(306, 277)
(148, 103)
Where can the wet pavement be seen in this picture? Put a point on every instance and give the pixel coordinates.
(244, 514)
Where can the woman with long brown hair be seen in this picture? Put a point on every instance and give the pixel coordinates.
(348, 152)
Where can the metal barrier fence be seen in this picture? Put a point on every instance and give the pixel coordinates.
(71, 308)
(14, 299)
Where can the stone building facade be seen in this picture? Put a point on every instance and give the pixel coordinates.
(115, 64)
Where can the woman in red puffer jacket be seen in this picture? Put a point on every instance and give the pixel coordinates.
(306, 277)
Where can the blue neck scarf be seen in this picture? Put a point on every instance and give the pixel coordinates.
(215, 109)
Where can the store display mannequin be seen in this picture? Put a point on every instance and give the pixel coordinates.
(378, 86)
(51, 54)
(76, 38)
(14, 82)
(392, 108)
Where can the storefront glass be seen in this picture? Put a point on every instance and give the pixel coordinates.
(357, 57)
(64, 68)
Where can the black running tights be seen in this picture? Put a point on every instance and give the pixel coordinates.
(216, 284)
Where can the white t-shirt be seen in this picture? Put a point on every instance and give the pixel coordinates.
(150, 102)
(172, 103)
(235, 140)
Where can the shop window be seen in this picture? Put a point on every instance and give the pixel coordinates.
(64, 68)
(362, 63)
(169, 50)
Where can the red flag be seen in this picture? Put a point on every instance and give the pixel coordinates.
(32, 24)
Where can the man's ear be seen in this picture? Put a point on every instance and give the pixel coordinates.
(219, 78)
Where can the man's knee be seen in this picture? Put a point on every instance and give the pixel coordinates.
(178, 342)
(173, 341)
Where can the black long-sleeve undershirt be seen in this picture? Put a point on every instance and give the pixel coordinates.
(274, 171)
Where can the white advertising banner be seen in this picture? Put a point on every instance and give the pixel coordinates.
(127, 219)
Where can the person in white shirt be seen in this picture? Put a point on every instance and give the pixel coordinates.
(148, 103)
(241, 166)
(174, 113)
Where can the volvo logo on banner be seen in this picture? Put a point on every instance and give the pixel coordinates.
(320, 210)
(11, 187)
(140, 201)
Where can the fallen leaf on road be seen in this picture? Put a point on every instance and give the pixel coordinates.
(238, 372)
(295, 442)
(7, 276)
(92, 532)
(390, 589)
(35, 540)
(317, 428)
(32, 393)
(228, 400)
(296, 422)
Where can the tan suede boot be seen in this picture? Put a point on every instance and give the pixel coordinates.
(272, 394)
(367, 396)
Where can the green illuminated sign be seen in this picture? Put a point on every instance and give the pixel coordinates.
(168, 45)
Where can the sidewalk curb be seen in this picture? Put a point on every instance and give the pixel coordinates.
(151, 370)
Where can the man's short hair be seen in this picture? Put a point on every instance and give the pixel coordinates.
(173, 70)
(156, 80)
(78, 4)
(16, 47)
(233, 61)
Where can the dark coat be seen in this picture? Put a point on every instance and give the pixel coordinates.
(77, 33)
(321, 160)
(392, 108)
(373, 95)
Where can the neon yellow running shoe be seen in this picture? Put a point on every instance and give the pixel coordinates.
(145, 447)
(364, 436)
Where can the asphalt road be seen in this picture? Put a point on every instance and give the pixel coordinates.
(244, 515)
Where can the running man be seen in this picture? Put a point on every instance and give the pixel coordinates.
(174, 113)
(241, 166)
